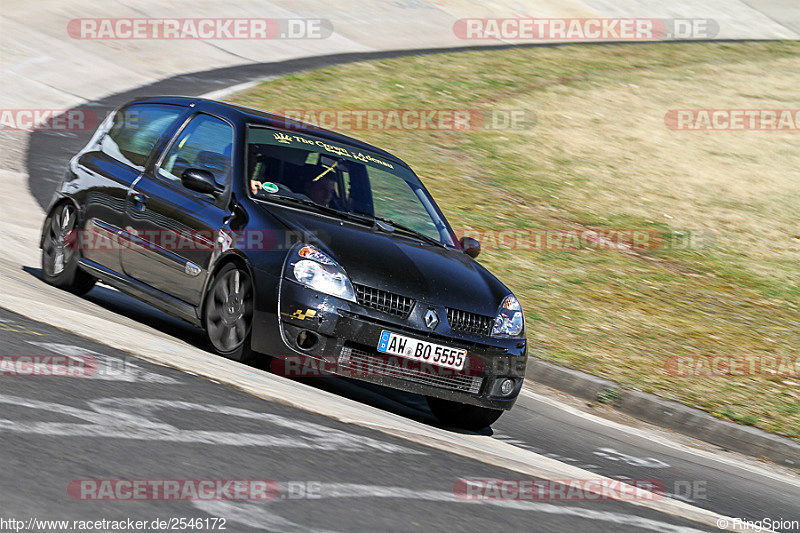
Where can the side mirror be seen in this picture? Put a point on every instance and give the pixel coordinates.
(200, 180)
(470, 246)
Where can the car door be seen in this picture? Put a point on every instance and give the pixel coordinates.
(174, 228)
(109, 166)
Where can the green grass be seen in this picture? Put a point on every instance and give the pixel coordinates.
(601, 157)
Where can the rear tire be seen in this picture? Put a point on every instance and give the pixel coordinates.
(61, 252)
(461, 415)
(228, 313)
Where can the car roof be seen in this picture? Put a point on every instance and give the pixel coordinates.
(258, 116)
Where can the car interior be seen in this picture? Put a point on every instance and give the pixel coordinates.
(294, 171)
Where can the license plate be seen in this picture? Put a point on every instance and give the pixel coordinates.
(422, 351)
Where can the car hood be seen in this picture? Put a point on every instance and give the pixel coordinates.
(395, 263)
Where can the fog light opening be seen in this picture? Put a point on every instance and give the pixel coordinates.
(306, 339)
(506, 386)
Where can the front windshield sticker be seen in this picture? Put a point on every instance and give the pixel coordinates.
(256, 186)
(283, 138)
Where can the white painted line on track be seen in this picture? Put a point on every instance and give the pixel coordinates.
(222, 93)
(664, 441)
(136, 418)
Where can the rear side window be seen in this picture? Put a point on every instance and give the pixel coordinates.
(136, 130)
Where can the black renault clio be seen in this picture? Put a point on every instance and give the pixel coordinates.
(285, 239)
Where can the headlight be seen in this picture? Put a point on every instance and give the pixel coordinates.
(509, 321)
(316, 270)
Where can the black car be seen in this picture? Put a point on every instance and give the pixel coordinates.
(285, 239)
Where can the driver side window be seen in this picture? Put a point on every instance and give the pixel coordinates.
(205, 143)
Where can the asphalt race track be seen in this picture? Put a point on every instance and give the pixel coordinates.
(136, 420)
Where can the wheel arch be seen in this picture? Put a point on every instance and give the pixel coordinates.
(231, 257)
(57, 205)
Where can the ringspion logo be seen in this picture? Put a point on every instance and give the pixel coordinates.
(206, 29)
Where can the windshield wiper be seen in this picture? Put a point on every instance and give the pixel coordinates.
(354, 216)
(406, 229)
(365, 219)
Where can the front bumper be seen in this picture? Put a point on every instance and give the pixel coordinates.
(323, 334)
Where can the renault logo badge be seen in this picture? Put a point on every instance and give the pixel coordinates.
(431, 319)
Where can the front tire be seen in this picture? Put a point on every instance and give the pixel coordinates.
(228, 313)
(461, 415)
(60, 252)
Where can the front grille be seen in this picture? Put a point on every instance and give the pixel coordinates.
(365, 364)
(470, 322)
(383, 301)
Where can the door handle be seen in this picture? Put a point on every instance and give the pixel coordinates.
(139, 201)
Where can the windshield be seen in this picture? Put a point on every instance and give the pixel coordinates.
(342, 178)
